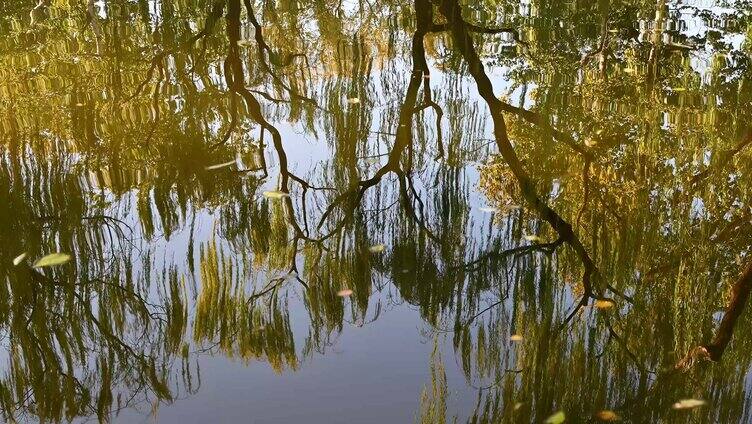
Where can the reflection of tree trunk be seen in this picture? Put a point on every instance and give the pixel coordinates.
(739, 296)
(714, 350)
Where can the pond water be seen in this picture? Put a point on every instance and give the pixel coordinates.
(366, 212)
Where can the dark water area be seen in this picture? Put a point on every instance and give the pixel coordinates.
(431, 211)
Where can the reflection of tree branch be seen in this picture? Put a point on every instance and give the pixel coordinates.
(713, 351)
(724, 159)
(464, 43)
(493, 255)
(263, 49)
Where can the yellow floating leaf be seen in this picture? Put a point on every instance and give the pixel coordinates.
(378, 248)
(18, 259)
(345, 293)
(607, 415)
(518, 405)
(353, 100)
(689, 404)
(275, 194)
(220, 165)
(556, 418)
(516, 337)
(52, 259)
(604, 304)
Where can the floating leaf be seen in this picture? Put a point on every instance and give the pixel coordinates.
(518, 405)
(516, 337)
(604, 304)
(353, 100)
(244, 43)
(534, 239)
(489, 210)
(52, 259)
(556, 418)
(345, 293)
(275, 194)
(607, 415)
(220, 165)
(689, 404)
(378, 248)
(18, 259)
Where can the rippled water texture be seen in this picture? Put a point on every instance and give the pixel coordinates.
(338, 211)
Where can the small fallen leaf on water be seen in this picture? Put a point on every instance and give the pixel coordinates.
(220, 165)
(275, 194)
(607, 415)
(688, 404)
(516, 338)
(353, 100)
(244, 43)
(517, 406)
(345, 293)
(378, 248)
(489, 210)
(556, 418)
(79, 104)
(604, 304)
(52, 259)
(18, 259)
(534, 239)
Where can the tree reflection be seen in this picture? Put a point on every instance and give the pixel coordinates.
(216, 166)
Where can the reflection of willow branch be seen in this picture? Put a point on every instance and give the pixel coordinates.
(464, 43)
(602, 50)
(586, 189)
(475, 265)
(738, 302)
(214, 15)
(528, 115)
(155, 104)
(263, 49)
(47, 349)
(723, 160)
(235, 78)
(484, 30)
(211, 20)
(404, 181)
(403, 138)
(429, 103)
(613, 335)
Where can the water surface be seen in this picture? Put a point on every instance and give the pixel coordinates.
(390, 211)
